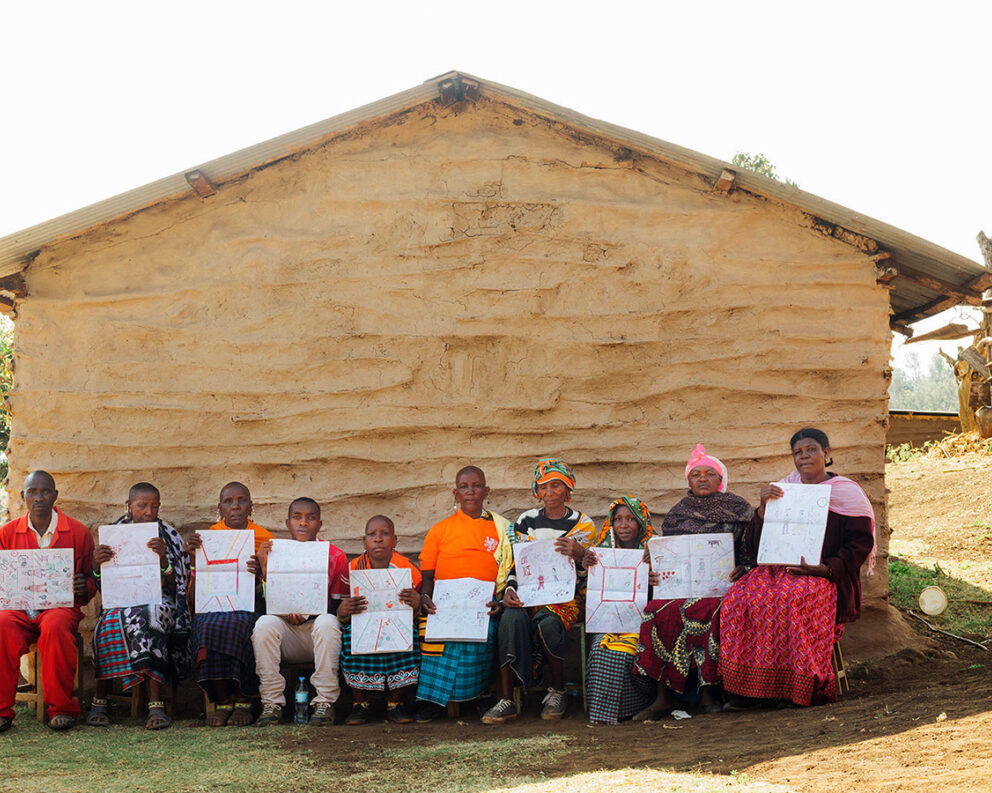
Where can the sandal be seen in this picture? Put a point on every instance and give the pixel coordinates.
(220, 716)
(98, 715)
(158, 719)
(61, 721)
(242, 715)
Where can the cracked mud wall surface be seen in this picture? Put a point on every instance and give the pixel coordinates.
(357, 322)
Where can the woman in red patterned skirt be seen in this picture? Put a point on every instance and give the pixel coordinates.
(779, 622)
(681, 636)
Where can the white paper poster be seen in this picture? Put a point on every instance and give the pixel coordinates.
(386, 626)
(223, 582)
(692, 565)
(617, 591)
(296, 577)
(133, 576)
(462, 614)
(544, 576)
(795, 524)
(36, 579)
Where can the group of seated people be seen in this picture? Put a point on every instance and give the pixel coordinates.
(767, 641)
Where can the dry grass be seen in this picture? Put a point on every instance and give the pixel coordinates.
(190, 758)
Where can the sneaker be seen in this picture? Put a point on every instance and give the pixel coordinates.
(554, 703)
(426, 711)
(359, 715)
(271, 714)
(5, 723)
(323, 714)
(398, 714)
(500, 713)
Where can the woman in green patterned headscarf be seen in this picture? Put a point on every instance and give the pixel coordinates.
(612, 691)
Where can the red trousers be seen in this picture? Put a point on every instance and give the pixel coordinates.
(55, 632)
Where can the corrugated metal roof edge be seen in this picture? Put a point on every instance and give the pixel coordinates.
(17, 249)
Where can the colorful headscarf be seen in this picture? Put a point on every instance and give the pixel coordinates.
(549, 469)
(606, 538)
(699, 459)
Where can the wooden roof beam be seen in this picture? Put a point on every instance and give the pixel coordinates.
(458, 89)
(964, 293)
(980, 283)
(201, 185)
(901, 327)
(725, 183)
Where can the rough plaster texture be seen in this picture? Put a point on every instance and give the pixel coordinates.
(451, 286)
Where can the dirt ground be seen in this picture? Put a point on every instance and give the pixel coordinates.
(914, 721)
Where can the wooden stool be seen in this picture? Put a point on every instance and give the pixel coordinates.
(34, 693)
(837, 661)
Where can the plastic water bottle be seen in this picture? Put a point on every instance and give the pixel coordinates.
(302, 713)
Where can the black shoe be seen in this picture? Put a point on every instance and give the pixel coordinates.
(5, 723)
(398, 714)
(426, 712)
(359, 715)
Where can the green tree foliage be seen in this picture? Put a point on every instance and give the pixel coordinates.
(759, 163)
(923, 385)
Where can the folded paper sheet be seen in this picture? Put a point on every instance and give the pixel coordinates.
(386, 626)
(795, 525)
(692, 565)
(36, 579)
(296, 580)
(544, 576)
(133, 577)
(462, 614)
(617, 592)
(223, 582)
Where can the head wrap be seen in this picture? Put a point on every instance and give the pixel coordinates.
(700, 459)
(607, 538)
(549, 469)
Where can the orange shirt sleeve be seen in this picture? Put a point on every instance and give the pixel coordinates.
(428, 556)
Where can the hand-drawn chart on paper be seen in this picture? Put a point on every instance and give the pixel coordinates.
(795, 524)
(133, 577)
(462, 614)
(692, 565)
(544, 576)
(223, 582)
(36, 579)
(386, 626)
(617, 592)
(296, 579)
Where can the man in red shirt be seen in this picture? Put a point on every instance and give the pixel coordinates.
(53, 629)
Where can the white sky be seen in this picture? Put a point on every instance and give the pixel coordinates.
(883, 107)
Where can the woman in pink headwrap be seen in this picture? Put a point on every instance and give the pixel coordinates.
(682, 636)
(780, 622)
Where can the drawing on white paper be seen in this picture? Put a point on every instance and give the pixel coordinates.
(133, 575)
(36, 579)
(386, 626)
(795, 524)
(617, 592)
(544, 576)
(296, 577)
(692, 565)
(462, 614)
(223, 582)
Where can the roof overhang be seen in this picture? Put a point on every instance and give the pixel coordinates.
(923, 277)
